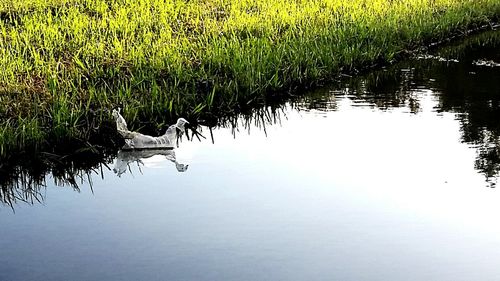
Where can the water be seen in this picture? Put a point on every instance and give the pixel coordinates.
(388, 176)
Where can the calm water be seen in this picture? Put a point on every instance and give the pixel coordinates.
(389, 176)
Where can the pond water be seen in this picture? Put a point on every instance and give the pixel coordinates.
(388, 176)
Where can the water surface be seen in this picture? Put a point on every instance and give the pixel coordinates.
(387, 176)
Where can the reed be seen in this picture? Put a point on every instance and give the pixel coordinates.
(64, 62)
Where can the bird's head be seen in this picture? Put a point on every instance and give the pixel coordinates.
(181, 122)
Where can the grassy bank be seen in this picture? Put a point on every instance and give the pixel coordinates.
(63, 63)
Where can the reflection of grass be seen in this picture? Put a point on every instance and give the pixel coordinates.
(24, 176)
(61, 59)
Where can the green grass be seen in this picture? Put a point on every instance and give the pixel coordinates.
(64, 63)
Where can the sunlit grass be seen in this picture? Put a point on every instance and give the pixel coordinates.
(60, 59)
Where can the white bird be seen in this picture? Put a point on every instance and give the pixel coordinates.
(135, 140)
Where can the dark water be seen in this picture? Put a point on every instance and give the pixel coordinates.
(389, 176)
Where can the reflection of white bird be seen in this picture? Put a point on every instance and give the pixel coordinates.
(135, 140)
(124, 158)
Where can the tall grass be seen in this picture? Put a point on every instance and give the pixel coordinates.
(60, 59)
